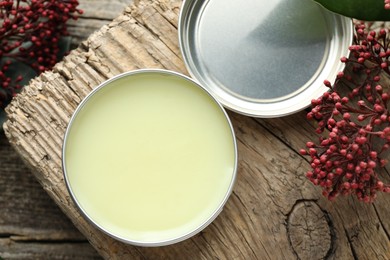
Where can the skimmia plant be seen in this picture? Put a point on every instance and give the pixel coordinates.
(30, 31)
(353, 117)
(354, 126)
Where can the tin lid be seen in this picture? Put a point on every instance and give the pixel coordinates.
(263, 58)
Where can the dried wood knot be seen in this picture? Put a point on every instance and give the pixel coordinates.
(309, 231)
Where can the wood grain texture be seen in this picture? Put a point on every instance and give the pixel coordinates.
(11, 249)
(273, 213)
(26, 214)
(96, 14)
(31, 224)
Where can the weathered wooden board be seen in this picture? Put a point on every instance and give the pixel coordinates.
(26, 214)
(31, 224)
(273, 213)
(96, 14)
(11, 249)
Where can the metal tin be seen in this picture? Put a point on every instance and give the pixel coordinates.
(263, 58)
(106, 230)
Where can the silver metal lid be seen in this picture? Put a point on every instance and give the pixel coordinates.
(263, 58)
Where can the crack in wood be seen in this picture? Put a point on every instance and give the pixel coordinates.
(251, 220)
(96, 18)
(141, 255)
(19, 238)
(201, 235)
(350, 243)
(141, 20)
(333, 235)
(250, 247)
(200, 248)
(99, 71)
(381, 222)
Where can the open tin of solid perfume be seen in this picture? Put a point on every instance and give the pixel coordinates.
(140, 163)
(263, 58)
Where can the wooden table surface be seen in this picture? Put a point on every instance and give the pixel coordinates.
(273, 213)
(31, 224)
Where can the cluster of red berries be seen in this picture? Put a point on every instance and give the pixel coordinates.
(387, 4)
(29, 33)
(354, 121)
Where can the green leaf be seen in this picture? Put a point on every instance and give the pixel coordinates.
(366, 10)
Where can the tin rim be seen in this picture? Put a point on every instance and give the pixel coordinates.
(190, 17)
(215, 213)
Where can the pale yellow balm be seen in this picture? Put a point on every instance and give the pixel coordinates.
(150, 157)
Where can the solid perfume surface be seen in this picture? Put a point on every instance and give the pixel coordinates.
(150, 158)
